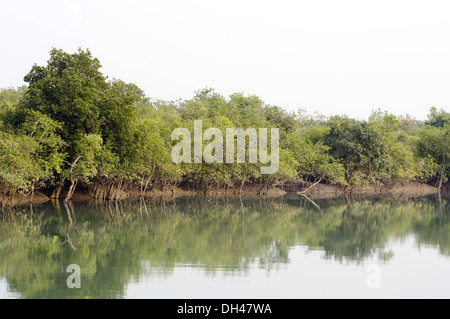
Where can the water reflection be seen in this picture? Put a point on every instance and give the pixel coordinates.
(116, 243)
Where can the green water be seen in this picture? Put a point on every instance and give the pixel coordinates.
(228, 248)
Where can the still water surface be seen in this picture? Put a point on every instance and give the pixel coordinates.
(229, 248)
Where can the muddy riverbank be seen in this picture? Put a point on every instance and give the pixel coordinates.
(409, 189)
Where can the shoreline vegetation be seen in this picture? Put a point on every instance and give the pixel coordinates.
(72, 134)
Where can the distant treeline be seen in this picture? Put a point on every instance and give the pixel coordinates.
(71, 124)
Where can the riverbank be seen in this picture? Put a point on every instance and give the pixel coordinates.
(403, 190)
(20, 199)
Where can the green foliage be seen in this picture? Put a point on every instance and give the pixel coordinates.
(438, 118)
(314, 161)
(43, 131)
(360, 147)
(71, 123)
(70, 90)
(10, 99)
(434, 144)
(89, 148)
(19, 168)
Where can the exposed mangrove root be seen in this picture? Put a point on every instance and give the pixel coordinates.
(108, 191)
(314, 184)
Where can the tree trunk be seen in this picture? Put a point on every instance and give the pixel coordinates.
(146, 184)
(260, 187)
(56, 192)
(73, 184)
(440, 183)
(240, 188)
(174, 187)
(264, 187)
(142, 185)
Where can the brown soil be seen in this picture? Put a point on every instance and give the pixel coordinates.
(20, 199)
(409, 189)
(247, 190)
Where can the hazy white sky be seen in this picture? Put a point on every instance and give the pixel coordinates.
(332, 56)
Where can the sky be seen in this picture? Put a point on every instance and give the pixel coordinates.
(332, 57)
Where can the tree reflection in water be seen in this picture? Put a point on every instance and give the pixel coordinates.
(116, 242)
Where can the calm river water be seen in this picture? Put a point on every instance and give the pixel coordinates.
(228, 248)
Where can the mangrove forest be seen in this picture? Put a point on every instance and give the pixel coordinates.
(71, 127)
